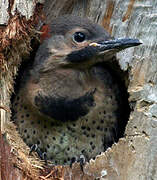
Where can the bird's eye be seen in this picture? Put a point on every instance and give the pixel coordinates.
(79, 37)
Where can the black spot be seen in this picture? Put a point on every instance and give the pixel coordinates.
(48, 133)
(56, 162)
(65, 161)
(15, 104)
(98, 127)
(88, 128)
(28, 136)
(104, 112)
(22, 116)
(45, 126)
(69, 128)
(22, 121)
(83, 127)
(25, 130)
(68, 149)
(93, 122)
(102, 121)
(82, 151)
(74, 125)
(45, 137)
(93, 135)
(38, 142)
(34, 132)
(64, 109)
(48, 146)
(73, 159)
(68, 159)
(91, 143)
(54, 138)
(86, 120)
(25, 107)
(27, 115)
(18, 97)
(93, 147)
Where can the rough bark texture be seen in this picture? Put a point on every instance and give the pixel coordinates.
(134, 156)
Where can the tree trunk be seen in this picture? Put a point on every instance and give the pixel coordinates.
(134, 156)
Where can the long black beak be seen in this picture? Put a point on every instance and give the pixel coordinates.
(115, 45)
(104, 47)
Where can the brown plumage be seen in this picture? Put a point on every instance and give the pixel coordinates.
(68, 103)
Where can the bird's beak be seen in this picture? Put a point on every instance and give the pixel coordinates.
(106, 48)
(115, 45)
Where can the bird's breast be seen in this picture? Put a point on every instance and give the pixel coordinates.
(65, 108)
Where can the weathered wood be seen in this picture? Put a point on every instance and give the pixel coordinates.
(134, 156)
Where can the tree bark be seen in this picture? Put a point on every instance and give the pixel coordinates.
(134, 156)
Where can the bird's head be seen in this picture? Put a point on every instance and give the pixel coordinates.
(76, 42)
(61, 71)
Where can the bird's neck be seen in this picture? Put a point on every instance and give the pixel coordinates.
(70, 82)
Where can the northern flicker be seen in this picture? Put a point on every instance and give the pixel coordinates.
(68, 102)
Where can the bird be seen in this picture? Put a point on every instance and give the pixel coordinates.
(68, 103)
